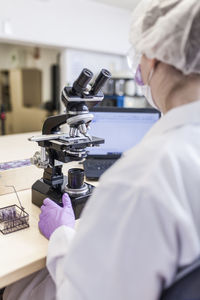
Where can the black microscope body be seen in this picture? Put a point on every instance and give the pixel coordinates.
(58, 148)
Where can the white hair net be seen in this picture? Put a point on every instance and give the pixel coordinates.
(168, 30)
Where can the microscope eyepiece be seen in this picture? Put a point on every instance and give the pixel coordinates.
(82, 81)
(102, 78)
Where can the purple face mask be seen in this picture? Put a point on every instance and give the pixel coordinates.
(138, 76)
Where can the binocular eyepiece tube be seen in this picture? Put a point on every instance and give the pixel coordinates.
(82, 81)
(84, 78)
(102, 78)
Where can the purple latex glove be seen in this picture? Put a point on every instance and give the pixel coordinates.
(53, 216)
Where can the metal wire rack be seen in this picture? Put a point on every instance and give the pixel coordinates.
(13, 217)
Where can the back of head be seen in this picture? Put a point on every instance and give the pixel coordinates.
(168, 30)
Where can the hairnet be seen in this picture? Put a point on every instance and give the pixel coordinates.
(168, 30)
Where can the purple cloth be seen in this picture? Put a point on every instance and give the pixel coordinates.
(14, 164)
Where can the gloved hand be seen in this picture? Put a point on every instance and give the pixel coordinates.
(53, 216)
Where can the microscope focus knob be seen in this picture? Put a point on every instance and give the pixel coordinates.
(40, 159)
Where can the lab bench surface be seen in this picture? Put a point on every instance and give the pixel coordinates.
(22, 252)
(17, 147)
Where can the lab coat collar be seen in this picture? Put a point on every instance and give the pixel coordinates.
(177, 117)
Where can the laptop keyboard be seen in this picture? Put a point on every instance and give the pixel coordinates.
(99, 164)
(94, 168)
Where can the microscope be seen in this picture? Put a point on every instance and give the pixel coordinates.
(58, 148)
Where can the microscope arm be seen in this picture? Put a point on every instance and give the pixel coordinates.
(52, 124)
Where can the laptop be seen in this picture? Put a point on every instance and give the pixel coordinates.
(122, 129)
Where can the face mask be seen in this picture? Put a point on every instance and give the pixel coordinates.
(146, 89)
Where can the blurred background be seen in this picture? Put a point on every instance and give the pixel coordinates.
(44, 45)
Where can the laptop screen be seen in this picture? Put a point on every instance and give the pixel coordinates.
(121, 128)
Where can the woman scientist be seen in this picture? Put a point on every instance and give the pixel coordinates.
(143, 221)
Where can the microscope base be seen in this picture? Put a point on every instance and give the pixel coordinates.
(41, 190)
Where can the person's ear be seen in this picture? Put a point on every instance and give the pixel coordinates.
(152, 63)
(146, 66)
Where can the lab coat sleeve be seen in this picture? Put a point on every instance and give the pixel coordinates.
(59, 245)
(57, 249)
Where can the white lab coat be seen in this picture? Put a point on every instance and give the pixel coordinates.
(142, 222)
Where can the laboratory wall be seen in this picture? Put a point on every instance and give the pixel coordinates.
(16, 57)
(122, 90)
(26, 95)
(66, 23)
(73, 61)
(73, 34)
